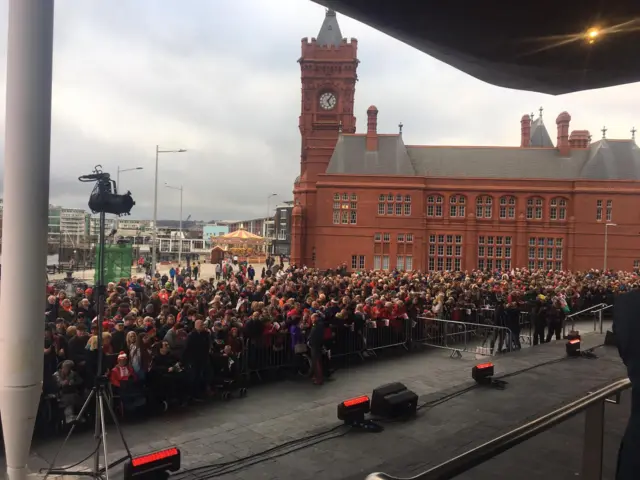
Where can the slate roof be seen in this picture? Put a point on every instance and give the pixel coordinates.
(539, 135)
(330, 34)
(603, 160)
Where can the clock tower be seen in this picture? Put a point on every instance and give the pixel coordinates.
(328, 67)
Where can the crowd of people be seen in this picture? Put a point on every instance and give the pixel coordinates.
(177, 338)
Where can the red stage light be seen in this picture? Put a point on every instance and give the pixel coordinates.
(149, 465)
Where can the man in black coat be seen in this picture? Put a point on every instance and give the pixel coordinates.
(316, 343)
(627, 331)
(196, 356)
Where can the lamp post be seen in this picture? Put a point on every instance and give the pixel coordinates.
(606, 242)
(122, 170)
(180, 188)
(154, 238)
(118, 171)
(266, 225)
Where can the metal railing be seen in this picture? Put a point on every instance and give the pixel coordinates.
(572, 317)
(598, 318)
(592, 456)
(459, 337)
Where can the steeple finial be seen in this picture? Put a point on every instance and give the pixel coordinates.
(633, 133)
(532, 116)
(340, 127)
(540, 110)
(604, 132)
(400, 125)
(330, 34)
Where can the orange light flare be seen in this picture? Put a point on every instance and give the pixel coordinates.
(591, 36)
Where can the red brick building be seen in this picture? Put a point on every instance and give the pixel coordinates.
(371, 201)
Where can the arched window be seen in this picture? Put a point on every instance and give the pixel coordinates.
(434, 205)
(558, 209)
(508, 207)
(484, 206)
(457, 206)
(534, 208)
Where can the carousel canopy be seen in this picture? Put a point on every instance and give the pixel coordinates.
(239, 236)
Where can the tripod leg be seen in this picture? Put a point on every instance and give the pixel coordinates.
(97, 433)
(117, 425)
(104, 436)
(82, 410)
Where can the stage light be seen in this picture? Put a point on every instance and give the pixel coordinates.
(354, 409)
(573, 347)
(154, 465)
(592, 35)
(482, 373)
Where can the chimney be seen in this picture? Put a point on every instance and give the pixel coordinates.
(579, 139)
(525, 130)
(563, 133)
(372, 128)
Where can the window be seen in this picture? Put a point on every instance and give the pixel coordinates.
(443, 252)
(377, 262)
(549, 253)
(400, 238)
(345, 208)
(394, 204)
(534, 208)
(354, 261)
(484, 206)
(636, 264)
(377, 237)
(609, 210)
(598, 210)
(408, 263)
(408, 238)
(434, 206)
(386, 237)
(558, 209)
(385, 262)
(400, 263)
(361, 262)
(457, 206)
(493, 254)
(507, 208)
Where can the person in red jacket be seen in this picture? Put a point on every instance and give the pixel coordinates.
(122, 371)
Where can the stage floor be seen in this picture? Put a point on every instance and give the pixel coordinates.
(273, 414)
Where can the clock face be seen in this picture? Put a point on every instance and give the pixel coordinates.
(328, 101)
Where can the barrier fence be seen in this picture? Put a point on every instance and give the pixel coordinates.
(287, 351)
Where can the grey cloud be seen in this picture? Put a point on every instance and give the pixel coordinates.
(221, 79)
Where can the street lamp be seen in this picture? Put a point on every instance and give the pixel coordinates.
(606, 242)
(179, 244)
(121, 170)
(155, 210)
(266, 225)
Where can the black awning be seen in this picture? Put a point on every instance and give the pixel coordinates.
(537, 45)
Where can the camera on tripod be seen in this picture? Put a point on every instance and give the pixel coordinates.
(104, 197)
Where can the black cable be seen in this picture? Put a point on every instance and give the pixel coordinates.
(46, 471)
(232, 469)
(290, 443)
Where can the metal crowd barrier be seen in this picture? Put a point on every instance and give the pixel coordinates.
(459, 337)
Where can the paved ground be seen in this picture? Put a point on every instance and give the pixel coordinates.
(207, 271)
(289, 410)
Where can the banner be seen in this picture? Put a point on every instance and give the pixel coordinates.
(117, 262)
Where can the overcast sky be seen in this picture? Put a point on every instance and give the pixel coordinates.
(220, 78)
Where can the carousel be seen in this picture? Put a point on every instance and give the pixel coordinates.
(245, 245)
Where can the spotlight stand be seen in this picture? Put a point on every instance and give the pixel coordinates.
(104, 192)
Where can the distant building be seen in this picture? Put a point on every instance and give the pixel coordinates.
(281, 244)
(214, 230)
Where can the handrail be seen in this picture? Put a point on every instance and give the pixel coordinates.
(573, 315)
(478, 455)
(586, 310)
(597, 317)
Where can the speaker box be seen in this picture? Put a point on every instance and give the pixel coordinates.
(393, 400)
(610, 339)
